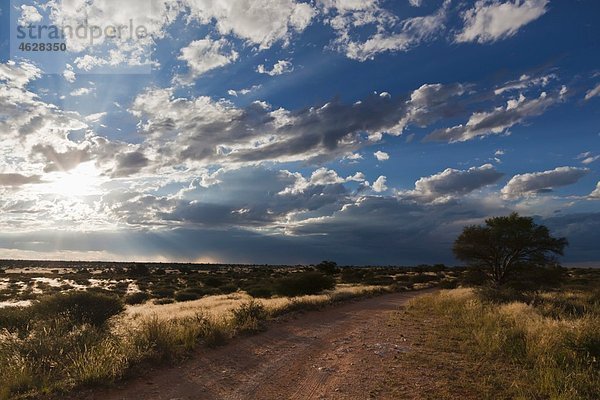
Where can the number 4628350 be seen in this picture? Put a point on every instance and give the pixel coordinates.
(42, 46)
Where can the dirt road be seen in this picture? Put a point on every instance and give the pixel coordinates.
(349, 351)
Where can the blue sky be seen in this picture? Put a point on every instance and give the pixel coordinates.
(285, 131)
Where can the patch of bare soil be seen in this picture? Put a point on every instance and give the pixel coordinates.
(358, 350)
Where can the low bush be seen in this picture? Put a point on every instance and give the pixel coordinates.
(186, 295)
(79, 307)
(249, 317)
(448, 284)
(302, 283)
(261, 291)
(423, 278)
(136, 298)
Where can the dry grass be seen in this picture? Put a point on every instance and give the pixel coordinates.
(555, 351)
(219, 305)
(60, 355)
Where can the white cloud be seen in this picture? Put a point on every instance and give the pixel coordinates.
(497, 121)
(18, 75)
(281, 67)
(593, 92)
(491, 20)
(412, 32)
(82, 92)
(262, 23)
(205, 55)
(381, 155)
(541, 182)
(379, 185)
(587, 157)
(595, 193)
(319, 177)
(69, 74)
(524, 82)
(95, 117)
(88, 62)
(243, 92)
(29, 15)
(451, 183)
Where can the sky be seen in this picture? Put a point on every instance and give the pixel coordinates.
(286, 131)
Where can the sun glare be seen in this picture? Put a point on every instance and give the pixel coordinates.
(84, 180)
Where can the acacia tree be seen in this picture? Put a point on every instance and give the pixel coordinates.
(507, 243)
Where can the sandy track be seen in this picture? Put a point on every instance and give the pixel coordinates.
(342, 352)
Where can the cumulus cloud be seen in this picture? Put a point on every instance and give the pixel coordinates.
(69, 74)
(541, 182)
(205, 55)
(82, 92)
(281, 67)
(247, 198)
(18, 75)
(29, 15)
(593, 92)
(429, 103)
(379, 184)
(61, 161)
(260, 23)
(320, 177)
(129, 163)
(452, 183)
(381, 155)
(492, 20)
(205, 130)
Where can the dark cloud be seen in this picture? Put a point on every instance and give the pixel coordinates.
(496, 121)
(129, 163)
(542, 182)
(61, 161)
(18, 179)
(452, 182)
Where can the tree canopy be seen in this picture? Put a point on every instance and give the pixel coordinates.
(507, 243)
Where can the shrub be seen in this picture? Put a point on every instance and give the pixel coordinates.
(351, 275)
(186, 295)
(448, 284)
(136, 298)
(302, 283)
(138, 270)
(163, 301)
(422, 278)
(249, 317)
(163, 292)
(260, 291)
(213, 281)
(80, 307)
(327, 267)
(228, 288)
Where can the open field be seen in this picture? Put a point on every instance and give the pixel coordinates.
(65, 327)
(84, 330)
